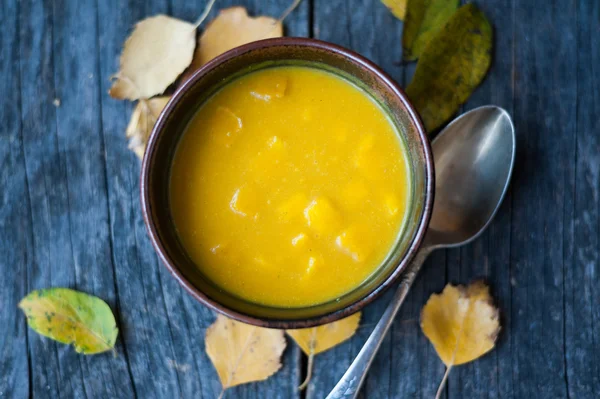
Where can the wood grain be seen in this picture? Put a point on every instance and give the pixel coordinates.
(70, 214)
(489, 256)
(581, 259)
(405, 354)
(16, 241)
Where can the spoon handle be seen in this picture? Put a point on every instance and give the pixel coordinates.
(349, 385)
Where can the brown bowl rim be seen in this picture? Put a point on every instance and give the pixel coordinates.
(359, 304)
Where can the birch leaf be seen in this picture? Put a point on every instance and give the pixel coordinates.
(232, 28)
(451, 66)
(461, 323)
(315, 340)
(142, 122)
(397, 7)
(71, 317)
(243, 353)
(157, 52)
(423, 20)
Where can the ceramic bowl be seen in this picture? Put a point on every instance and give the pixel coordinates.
(185, 102)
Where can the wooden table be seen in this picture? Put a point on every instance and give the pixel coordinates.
(70, 213)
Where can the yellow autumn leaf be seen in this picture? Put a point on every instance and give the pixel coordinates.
(315, 340)
(142, 122)
(397, 7)
(242, 353)
(461, 323)
(232, 28)
(156, 53)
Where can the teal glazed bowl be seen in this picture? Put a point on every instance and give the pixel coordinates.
(207, 80)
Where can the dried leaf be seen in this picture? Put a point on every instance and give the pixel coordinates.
(243, 353)
(453, 63)
(397, 7)
(157, 52)
(142, 122)
(232, 28)
(315, 340)
(71, 317)
(461, 323)
(423, 20)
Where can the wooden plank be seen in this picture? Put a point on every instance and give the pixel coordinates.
(545, 102)
(582, 212)
(164, 327)
(489, 256)
(370, 29)
(15, 214)
(65, 171)
(52, 255)
(155, 360)
(282, 385)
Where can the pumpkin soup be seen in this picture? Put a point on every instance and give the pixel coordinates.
(289, 187)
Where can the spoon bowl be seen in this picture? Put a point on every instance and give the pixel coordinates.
(473, 157)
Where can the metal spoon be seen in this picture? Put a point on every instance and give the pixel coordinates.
(474, 157)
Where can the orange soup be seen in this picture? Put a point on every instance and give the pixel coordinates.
(289, 187)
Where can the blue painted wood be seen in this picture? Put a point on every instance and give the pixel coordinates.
(156, 353)
(16, 242)
(370, 29)
(582, 212)
(489, 256)
(70, 215)
(545, 102)
(167, 316)
(64, 163)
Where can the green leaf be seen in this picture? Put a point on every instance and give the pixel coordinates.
(452, 65)
(424, 18)
(71, 317)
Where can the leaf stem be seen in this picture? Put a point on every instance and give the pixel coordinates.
(222, 393)
(308, 372)
(204, 13)
(443, 383)
(287, 12)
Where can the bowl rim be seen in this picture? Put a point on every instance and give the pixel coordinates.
(325, 318)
